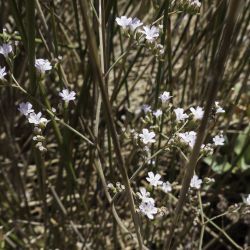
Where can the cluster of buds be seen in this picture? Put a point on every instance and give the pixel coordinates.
(118, 188)
(190, 6)
(39, 139)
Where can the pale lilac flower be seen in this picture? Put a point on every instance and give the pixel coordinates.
(123, 21)
(188, 137)
(37, 119)
(148, 209)
(67, 95)
(154, 180)
(144, 195)
(166, 187)
(151, 33)
(2, 73)
(25, 108)
(197, 113)
(219, 109)
(5, 49)
(43, 65)
(157, 113)
(195, 182)
(135, 23)
(147, 137)
(165, 96)
(180, 115)
(218, 140)
(146, 108)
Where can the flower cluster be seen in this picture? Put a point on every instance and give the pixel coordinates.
(5, 49)
(190, 6)
(150, 33)
(38, 121)
(147, 206)
(189, 138)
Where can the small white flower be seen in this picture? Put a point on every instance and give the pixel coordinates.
(25, 108)
(247, 200)
(165, 96)
(135, 23)
(157, 113)
(67, 95)
(195, 182)
(37, 119)
(154, 180)
(43, 65)
(219, 109)
(2, 73)
(146, 108)
(148, 209)
(147, 137)
(166, 187)
(123, 21)
(180, 115)
(188, 137)
(144, 195)
(197, 113)
(5, 49)
(195, 3)
(151, 33)
(218, 140)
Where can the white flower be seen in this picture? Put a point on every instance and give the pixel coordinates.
(5, 49)
(148, 209)
(195, 3)
(218, 140)
(123, 21)
(43, 65)
(188, 137)
(166, 187)
(135, 23)
(145, 196)
(25, 108)
(195, 182)
(247, 200)
(2, 73)
(146, 108)
(151, 33)
(154, 180)
(37, 119)
(219, 109)
(157, 113)
(147, 137)
(197, 113)
(67, 95)
(180, 115)
(165, 96)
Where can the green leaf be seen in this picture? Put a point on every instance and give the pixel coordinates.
(219, 166)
